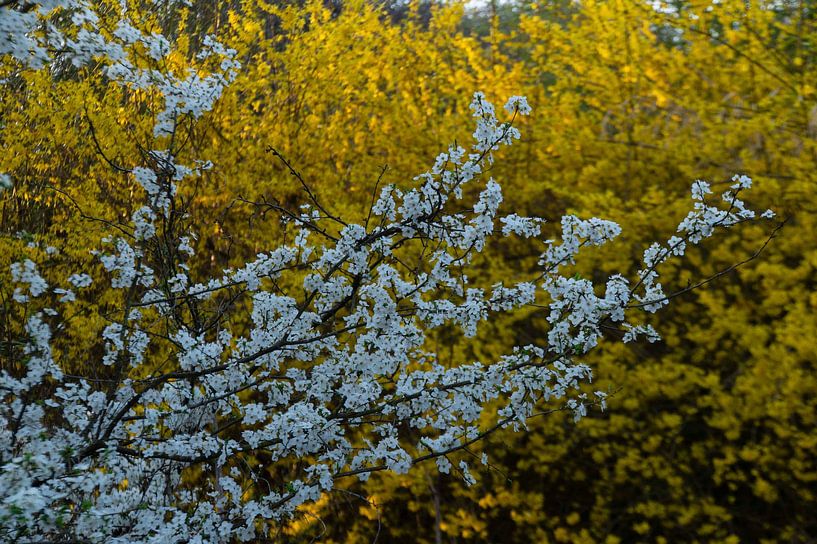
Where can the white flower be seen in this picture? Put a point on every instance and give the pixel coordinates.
(518, 103)
(5, 182)
(80, 280)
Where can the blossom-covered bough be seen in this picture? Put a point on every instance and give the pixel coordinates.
(313, 356)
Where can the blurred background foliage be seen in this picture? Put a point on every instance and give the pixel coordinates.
(711, 434)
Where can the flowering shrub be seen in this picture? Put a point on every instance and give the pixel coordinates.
(313, 356)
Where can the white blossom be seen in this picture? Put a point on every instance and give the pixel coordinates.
(314, 353)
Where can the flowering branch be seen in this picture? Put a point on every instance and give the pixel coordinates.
(313, 356)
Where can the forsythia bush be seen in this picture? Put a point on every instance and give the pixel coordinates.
(709, 435)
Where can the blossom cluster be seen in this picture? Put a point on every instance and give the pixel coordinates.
(313, 356)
